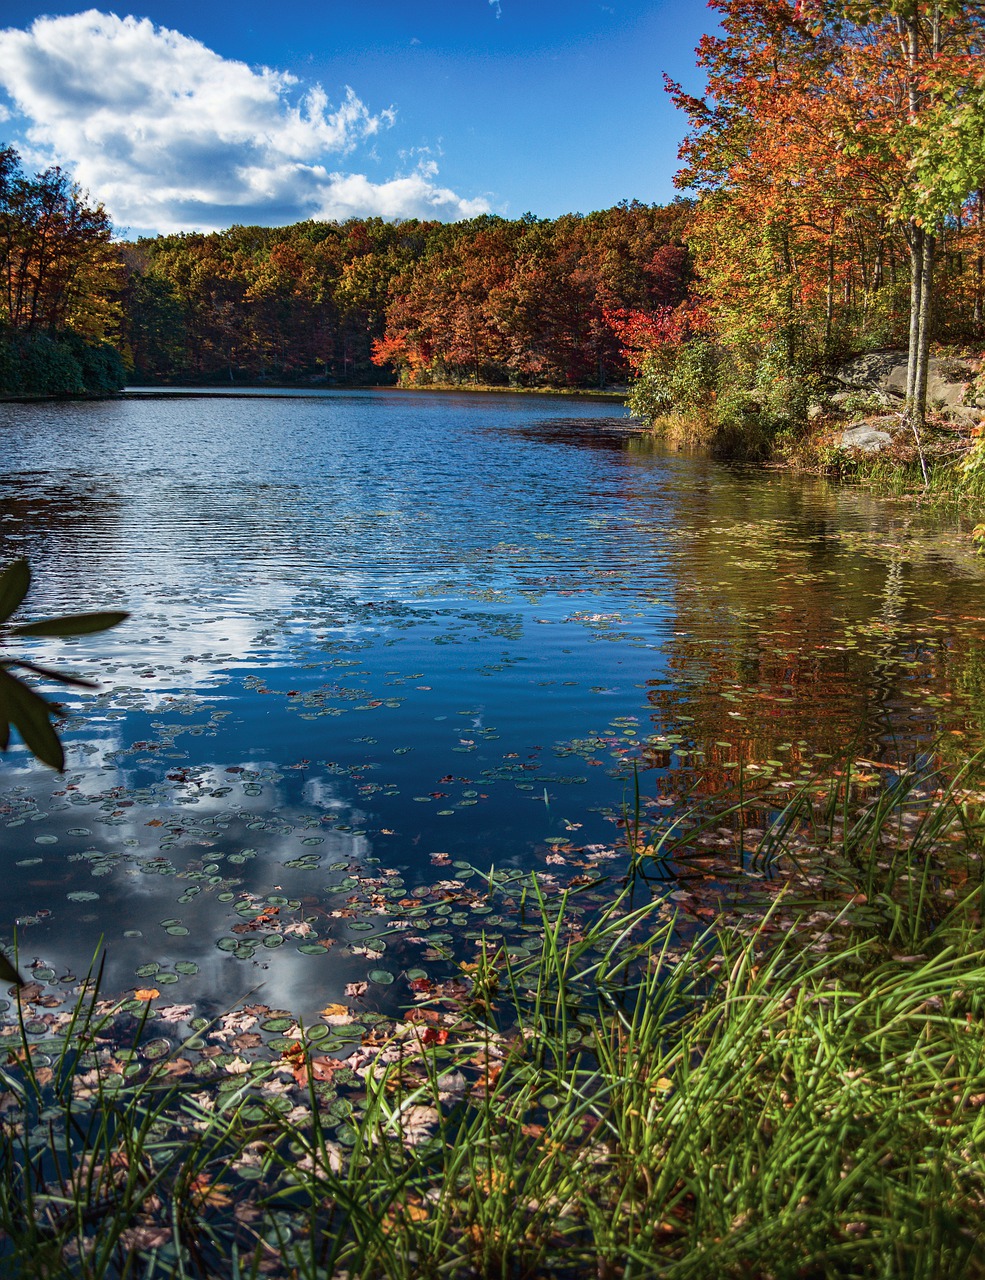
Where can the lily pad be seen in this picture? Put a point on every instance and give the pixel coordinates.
(277, 1024)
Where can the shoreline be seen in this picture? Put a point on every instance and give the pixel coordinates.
(288, 388)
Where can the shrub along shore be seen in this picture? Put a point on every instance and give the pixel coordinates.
(795, 1087)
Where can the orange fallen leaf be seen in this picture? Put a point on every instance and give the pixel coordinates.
(321, 1070)
(214, 1193)
(175, 1067)
(146, 993)
(294, 1054)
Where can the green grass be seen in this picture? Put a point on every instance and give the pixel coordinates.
(796, 1091)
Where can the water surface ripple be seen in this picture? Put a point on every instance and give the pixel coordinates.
(378, 633)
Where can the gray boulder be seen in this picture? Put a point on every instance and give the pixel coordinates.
(872, 371)
(868, 439)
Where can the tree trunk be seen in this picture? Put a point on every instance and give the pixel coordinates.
(918, 409)
(916, 238)
(979, 262)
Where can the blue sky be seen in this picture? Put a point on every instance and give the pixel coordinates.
(187, 116)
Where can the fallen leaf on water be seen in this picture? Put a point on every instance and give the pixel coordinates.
(146, 993)
(320, 1070)
(321, 1161)
(233, 1023)
(294, 1055)
(176, 1067)
(422, 1015)
(215, 1193)
(489, 1077)
(398, 1214)
(175, 1012)
(145, 1237)
(417, 1124)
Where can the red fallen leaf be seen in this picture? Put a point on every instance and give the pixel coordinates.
(321, 1070)
(434, 1035)
(423, 985)
(422, 1015)
(293, 693)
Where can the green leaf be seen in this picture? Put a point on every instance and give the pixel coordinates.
(74, 624)
(49, 673)
(7, 971)
(30, 714)
(14, 582)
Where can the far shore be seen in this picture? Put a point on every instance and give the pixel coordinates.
(260, 388)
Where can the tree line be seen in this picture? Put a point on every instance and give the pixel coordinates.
(507, 302)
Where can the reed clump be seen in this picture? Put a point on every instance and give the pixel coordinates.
(637, 1098)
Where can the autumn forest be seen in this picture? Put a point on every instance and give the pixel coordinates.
(832, 203)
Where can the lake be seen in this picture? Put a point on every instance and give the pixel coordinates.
(385, 646)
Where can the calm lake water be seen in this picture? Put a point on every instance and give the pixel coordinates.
(383, 641)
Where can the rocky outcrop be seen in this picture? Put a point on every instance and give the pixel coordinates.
(883, 374)
(877, 381)
(871, 372)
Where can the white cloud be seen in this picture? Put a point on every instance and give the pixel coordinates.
(172, 136)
